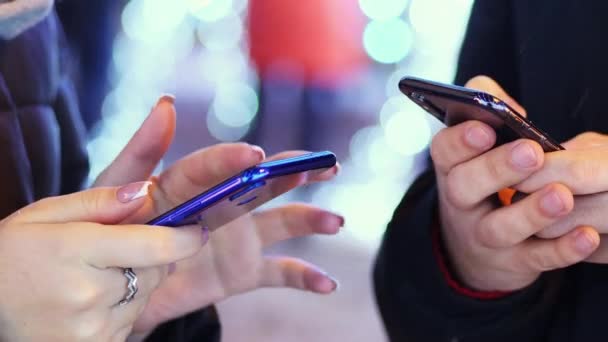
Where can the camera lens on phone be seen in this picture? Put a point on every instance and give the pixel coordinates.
(417, 97)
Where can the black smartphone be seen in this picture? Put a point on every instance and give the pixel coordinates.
(453, 105)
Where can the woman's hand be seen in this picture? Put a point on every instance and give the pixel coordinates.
(233, 260)
(62, 261)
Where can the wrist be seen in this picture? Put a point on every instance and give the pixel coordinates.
(474, 273)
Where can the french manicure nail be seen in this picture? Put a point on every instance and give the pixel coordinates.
(258, 151)
(340, 220)
(133, 191)
(477, 137)
(167, 98)
(523, 156)
(338, 169)
(336, 284)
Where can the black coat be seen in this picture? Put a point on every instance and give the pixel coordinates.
(43, 145)
(42, 139)
(551, 55)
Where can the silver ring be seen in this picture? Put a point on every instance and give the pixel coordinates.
(131, 286)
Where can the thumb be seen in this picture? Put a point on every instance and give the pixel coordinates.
(485, 83)
(145, 149)
(109, 205)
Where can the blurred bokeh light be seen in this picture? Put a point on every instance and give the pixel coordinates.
(388, 41)
(401, 37)
(383, 9)
(321, 73)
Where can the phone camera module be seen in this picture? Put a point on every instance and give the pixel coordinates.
(417, 97)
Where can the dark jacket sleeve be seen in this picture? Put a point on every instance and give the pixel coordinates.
(489, 46)
(200, 326)
(74, 159)
(416, 302)
(414, 298)
(15, 169)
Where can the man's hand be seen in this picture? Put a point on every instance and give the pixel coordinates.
(492, 247)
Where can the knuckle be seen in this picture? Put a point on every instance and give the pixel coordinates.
(552, 231)
(540, 260)
(167, 246)
(91, 201)
(454, 191)
(566, 256)
(85, 298)
(492, 235)
(535, 214)
(590, 135)
(494, 167)
(581, 173)
(45, 202)
(64, 246)
(478, 80)
(89, 328)
(436, 150)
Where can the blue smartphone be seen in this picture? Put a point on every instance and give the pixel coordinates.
(244, 192)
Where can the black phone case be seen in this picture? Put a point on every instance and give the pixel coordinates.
(453, 105)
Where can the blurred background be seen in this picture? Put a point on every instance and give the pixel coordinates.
(283, 74)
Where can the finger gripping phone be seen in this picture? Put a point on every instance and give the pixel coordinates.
(453, 105)
(244, 192)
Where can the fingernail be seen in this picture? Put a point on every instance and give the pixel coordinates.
(523, 156)
(331, 223)
(552, 203)
(133, 191)
(585, 243)
(258, 151)
(478, 137)
(205, 232)
(340, 219)
(335, 283)
(165, 98)
(337, 169)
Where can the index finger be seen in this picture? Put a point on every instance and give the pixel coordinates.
(582, 172)
(205, 168)
(460, 143)
(104, 246)
(488, 85)
(283, 184)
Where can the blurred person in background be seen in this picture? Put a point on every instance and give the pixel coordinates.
(455, 265)
(64, 260)
(306, 56)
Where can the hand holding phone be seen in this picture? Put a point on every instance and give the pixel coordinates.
(453, 105)
(491, 247)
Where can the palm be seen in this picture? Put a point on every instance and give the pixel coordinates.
(228, 264)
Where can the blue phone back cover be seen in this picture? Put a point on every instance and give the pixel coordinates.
(242, 193)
